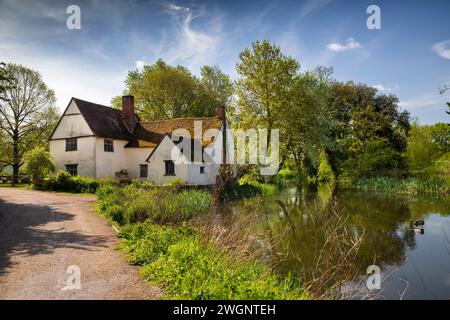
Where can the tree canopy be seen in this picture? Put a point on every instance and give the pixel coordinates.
(162, 91)
(27, 114)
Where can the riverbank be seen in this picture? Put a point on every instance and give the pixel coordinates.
(410, 185)
(158, 233)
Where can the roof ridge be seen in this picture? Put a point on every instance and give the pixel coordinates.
(181, 118)
(96, 104)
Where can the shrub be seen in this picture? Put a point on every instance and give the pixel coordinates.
(192, 270)
(158, 204)
(63, 181)
(324, 173)
(176, 184)
(38, 164)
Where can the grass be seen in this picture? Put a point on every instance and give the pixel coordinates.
(411, 185)
(176, 259)
(157, 234)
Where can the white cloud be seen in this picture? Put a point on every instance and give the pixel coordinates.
(442, 49)
(349, 44)
(385, 89)
(140, 64)
(194, 48)
(430, 101)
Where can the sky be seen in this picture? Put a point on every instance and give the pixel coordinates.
(409, 56)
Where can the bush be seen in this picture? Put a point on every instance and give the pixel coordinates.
(188, 269)
(324, 173)
(191, 270)
(63, 181)
(159, 204)
(38, 164)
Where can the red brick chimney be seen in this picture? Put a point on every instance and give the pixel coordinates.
(220, 112)
(128, 115)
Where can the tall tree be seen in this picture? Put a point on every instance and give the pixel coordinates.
(27, 114)
(265, 79)
(367, 120)
(305, 122)
(162, 91)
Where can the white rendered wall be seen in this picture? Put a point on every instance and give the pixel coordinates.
(84, 156)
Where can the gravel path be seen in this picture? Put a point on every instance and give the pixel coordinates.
(42, 234)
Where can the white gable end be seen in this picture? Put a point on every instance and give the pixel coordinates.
(72, 124)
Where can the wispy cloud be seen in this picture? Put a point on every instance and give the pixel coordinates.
(442, 49)
(430, 101)
(194, 47)
(349, 44)
(385, 88)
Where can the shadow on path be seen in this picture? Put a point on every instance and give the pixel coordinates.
(25, 230)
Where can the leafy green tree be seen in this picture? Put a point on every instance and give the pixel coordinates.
(162, 91)
(305, 123)
(374, 157)
(440, 133)
(216, 85)
(265, 80)
(422, 150)
(325, 173)
(27, 115)
(365, 118)
(38, 165)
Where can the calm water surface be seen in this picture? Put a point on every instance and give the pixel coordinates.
(408, 237)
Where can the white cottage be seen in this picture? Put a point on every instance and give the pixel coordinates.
(98, 141)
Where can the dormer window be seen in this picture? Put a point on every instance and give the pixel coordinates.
(108, 145)
(71, 144)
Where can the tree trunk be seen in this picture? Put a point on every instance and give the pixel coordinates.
(16, 162)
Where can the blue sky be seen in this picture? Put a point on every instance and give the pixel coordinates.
(408, 57)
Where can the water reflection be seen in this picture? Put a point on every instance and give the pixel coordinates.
(329, 236)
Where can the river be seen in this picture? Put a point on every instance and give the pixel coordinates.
(329, 238)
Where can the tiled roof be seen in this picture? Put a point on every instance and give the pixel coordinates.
(106, 122)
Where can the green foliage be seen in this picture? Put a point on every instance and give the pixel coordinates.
(365, 120)
(131, 204)
(27, 114)
(412, 185)
(440, 132)
(162, 91)
(422, 150)
(265, 76)
(186, 268)
(63, 181)
(38, 165)
(325, 173)
(145, 242)
(374, 157)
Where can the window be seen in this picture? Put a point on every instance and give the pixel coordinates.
(72, 169)
(202, 170)
(143, 170)
(170, 168)
(71, 144)
(108, 145)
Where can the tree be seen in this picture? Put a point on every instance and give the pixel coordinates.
(324, 172)
(27, 115)
(265, 79)
(440, 133)
(38, 164)
(365, 119)
(305, 123)
(214, 88)
(422, 150)
(162, 91)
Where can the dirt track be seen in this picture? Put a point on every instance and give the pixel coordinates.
(42, 234)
